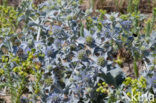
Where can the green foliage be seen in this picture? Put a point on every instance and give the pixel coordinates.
(148, 27)
(22, 71)
(153, 18)
(8, 20)
(150, 23)
(64, 53)
(89, 23)
(81, 1)
(99, 26)
(102, 14)
(119, 60)
(136, 86)
(135, 68)
(133, 6)
(124, 17)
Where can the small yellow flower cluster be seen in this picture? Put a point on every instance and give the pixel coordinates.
(8, 18)
(135, 2)
(102, 13)
(136, 85)
(124, 17)
(81, 1)
(119, 60)
(139, 83)
(37, 84)
(1, 71)
(99, 26)
(89, 23)
(26, 67)
(5, 59)
(103, 88)
(136, 15)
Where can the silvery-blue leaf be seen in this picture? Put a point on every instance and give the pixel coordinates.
(31, 24)
(104, 70)
(119, 42)
(81, 40)
(130, 39)
(57, 44)
(117, 76)
(80, 46)
(24, 99)
(12, 65)
(30, 88)
(66, 64)
(86, 63)
(15, 48)
(43, 14)
(48, 88)
(152, 81)
(42, 5)
(56, 28)
(25, 47)
(86, 33)
(54, 98)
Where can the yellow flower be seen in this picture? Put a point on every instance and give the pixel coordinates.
(23, 64)
(23, 73)
(5, 66)
(37, 67)
(99, 84)
(127, 81)
(3, 58)
(15, 69)
(103, 91)
(134, 90)
(100, 87)
(128, 94)
(1, 71)
(103, 83)
(98, 90)
(134, 83)
(36, 91)
(119, 60)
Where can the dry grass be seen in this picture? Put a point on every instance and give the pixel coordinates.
(109, 5)
(120, 5)
(17, 2)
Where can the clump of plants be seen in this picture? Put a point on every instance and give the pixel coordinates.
(65, 55)
(16, 72)
(8, 20)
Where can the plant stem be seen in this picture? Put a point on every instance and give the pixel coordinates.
(135, 68)
(38, 34)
